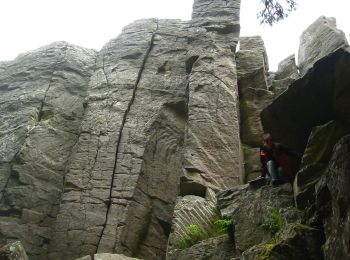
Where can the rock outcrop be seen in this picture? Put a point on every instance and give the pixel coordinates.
(333, 202)
(114, 154)
(42, 104)
(320, 39)
(100, 145)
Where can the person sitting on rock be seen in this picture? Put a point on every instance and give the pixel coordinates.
(274, 160)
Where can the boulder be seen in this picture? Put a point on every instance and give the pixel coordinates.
(221, 247)
(250, 209)
(295, 242)
(320, 39)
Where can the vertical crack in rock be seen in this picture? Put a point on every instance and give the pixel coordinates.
(150, 47)
(40, 112)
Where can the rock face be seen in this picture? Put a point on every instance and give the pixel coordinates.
(299, 108)
(318, 40)
(315, 160)
(118, 151)
(212, 249)
(296, 241)
(333, 202)
(42, 95)
(100, 145)
(249, 209)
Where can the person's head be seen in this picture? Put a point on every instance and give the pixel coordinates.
(266, 139)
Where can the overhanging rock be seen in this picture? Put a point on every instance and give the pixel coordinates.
(320, 96)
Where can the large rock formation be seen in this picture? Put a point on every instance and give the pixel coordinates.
(333, 202)
(97, 149)
(42, 95)
(93, 152)
(320, 39)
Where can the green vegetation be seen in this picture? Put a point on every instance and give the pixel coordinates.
(273, 221)
(223, 226)
(195, 234)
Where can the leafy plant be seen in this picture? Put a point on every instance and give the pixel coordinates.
(223, 226)
(195, 234)
(274, 221)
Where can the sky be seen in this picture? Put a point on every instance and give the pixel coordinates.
(29, 24)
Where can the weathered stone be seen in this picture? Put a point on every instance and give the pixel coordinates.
(286, 74)
(287, 69)
(252, 102)
(295, 242)
(13, 251)
(191, 210)
(249, 209)
(252, 70)
(252, 63)
(315, 159)
(319, 40)
(133, 133)
(213, 155)
(221, 247)
(251, 162)
(321, 142)
(42, 95)
(333, 202)
(313, 100)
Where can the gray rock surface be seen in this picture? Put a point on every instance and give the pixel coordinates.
(286, 74)
(320, 39)
(317, 98)
(42, 95)
(212, 143)
(317, 153)
(333, 202)
(252, 70)
(92, 157)
(295, 242)
(249, 208)
(218, 248)
(191, 210)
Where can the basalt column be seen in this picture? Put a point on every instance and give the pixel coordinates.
(212, 143)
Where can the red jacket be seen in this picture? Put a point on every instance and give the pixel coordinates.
(278, 153)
